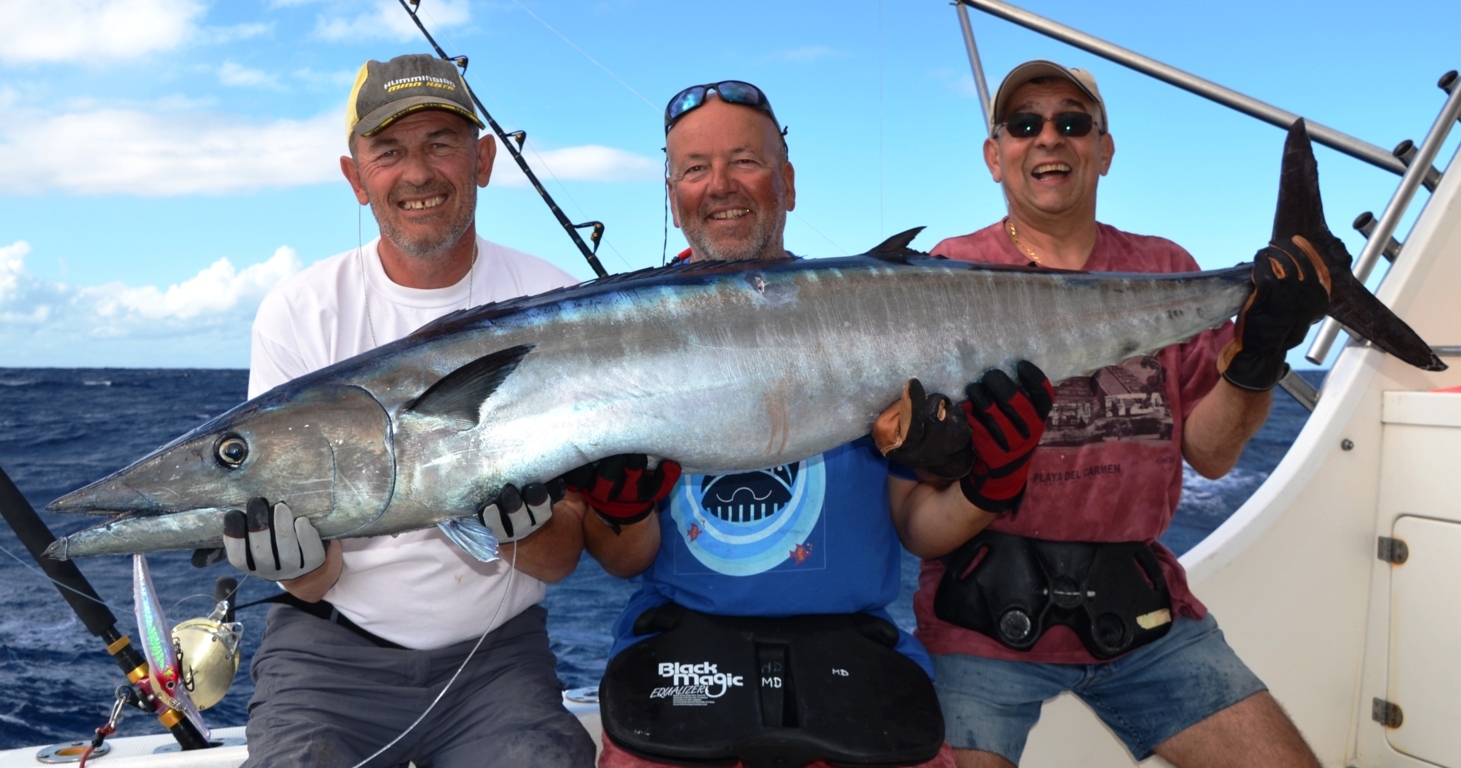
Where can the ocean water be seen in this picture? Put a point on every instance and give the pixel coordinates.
(63, 428)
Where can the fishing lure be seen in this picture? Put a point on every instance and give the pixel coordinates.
(165, 673)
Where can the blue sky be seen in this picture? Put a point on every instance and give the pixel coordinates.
(164, 162)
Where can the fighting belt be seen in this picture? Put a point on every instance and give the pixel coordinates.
(711, 690)
(1013, 588)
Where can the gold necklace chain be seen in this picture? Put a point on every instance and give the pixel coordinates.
(1009, 228)
(365, 288)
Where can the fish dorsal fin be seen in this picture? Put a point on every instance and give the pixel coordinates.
(896, 247)
(459, 395)
(1300, 209)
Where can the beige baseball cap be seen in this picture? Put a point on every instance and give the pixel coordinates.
(385, 92)
(1030, 70)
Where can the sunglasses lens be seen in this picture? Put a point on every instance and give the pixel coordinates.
(1023, 125)
(683, 102)
(1074, 124)
(738, 92)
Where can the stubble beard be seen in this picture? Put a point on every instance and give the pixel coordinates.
(433, 243)
(764, 242)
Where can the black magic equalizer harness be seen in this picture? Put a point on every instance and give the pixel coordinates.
(1013, 588)
(711, 690)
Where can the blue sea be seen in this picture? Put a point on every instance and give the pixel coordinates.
(63, 428)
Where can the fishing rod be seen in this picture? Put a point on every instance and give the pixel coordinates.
(99, 620)
(521, 138)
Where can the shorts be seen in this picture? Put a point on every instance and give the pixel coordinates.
(1144, 697)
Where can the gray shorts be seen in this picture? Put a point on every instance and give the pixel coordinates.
(325, 696)
(1144, 697)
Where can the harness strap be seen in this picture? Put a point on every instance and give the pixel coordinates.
(327, 611)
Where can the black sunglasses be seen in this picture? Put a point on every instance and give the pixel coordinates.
(730, 91)
(1027, 125)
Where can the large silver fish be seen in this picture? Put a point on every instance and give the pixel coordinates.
(722, 367)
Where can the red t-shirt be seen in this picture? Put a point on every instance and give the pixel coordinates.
(1109, 467)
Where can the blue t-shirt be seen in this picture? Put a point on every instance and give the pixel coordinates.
(805, 538)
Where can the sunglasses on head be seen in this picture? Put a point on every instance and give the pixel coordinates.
(730, 91)
(1026, 125)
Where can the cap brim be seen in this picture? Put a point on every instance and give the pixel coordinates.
(380, 119)
(1031, 70)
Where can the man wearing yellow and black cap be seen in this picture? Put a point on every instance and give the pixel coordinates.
(1043, 571)
(373, 629)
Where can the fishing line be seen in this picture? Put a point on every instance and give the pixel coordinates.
(506, 591)
(818, 231)
(43, 575)
(586, 56)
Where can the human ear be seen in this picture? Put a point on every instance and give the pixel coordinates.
(991, 159)
(352, 175)
(1108, 150)
(486, 155)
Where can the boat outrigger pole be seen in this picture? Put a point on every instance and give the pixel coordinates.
(520, 137)
(89, 607)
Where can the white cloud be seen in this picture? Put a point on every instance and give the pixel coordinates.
(587, 163)
(219, 301)
(386, 19)
(231, 73)
(12, 264)
(216, 290)
(91, 30)
(160, 152)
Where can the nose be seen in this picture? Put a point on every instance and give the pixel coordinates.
(722, 181)
(416, 170)
(1050, 135)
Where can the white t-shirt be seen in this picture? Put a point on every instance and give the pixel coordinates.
(415, 589)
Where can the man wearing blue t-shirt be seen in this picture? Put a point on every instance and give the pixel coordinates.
(759, 628)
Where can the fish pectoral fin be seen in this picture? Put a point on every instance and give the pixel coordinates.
(459, 395)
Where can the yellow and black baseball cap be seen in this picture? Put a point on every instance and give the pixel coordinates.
(385, 92)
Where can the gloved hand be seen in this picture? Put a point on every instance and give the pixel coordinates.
(272, 543)
(515, 514)
(925, 431)
(1007, 421)
(1290, 293)
(622, 489)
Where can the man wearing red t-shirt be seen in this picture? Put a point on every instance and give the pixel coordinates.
(1106, 476)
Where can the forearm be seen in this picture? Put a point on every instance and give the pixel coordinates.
(627, 553)
(312, 586)
(551, 553)
(1214, 434)
(933, 519)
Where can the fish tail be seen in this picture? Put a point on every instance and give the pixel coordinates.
(1300, 215)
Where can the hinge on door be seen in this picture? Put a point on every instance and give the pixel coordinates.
(1393, 551)
(1386, 714)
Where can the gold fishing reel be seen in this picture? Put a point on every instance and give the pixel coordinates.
(208, 654)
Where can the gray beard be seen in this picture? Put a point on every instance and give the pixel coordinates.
(765, 241)
(432, 244)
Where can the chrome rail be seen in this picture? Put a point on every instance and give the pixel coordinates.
(1343, 142)
(1420, 167)
(985, 107)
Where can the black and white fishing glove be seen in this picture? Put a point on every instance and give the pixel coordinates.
(516, 514)
(1290, 293)
(272, 543)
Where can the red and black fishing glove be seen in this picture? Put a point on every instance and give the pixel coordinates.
(623, 489)
(1290, 293)
(1007, 421)
(934, 437)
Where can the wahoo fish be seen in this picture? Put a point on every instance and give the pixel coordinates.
(722, 367)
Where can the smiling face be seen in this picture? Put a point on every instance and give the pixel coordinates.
(420, 176)
(1050, 177)
(730, 184)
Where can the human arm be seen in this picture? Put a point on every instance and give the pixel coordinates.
(933, 518)
(623, 492)
(551, 553)
(1220, 425)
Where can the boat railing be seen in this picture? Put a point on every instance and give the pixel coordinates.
(1413, 163)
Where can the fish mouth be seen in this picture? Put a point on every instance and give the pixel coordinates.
(107, 496)
(1050, 170)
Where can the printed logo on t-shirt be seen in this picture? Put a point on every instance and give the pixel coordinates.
(1120, 403)
(750, 522)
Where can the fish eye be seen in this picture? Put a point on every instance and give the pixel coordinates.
(231, 451)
